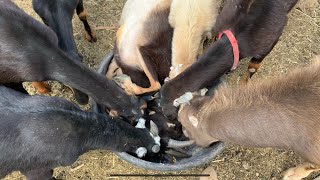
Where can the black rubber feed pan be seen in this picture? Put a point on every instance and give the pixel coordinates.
(198, 154)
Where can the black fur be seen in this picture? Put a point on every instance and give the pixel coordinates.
(57, 14)
(257, 26)
(38, 133)
(29, 52)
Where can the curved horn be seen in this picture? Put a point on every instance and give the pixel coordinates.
(177, 153)
(154, 128)
(104, 65)
(155, 148)
(185, 132)
(179, 144)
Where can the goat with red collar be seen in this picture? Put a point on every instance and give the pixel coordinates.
(250, 28)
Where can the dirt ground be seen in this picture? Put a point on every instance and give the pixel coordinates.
(300, 42)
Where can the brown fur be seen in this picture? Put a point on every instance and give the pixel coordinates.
(278, 112)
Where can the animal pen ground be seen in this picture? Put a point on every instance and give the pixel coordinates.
(299, 43)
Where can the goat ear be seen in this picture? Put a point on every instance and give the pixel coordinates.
(198, 101)
(194, 105)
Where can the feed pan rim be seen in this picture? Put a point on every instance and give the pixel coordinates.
(187, 163)
(184, 164)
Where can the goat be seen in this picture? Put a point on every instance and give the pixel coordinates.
(39, 133)
(278, 112)
(193, 21)
(29, 52)
(257, 26)
(143, 46)
(58, 15)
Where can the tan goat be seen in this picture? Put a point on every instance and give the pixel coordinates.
(279, 112)
(193, 21)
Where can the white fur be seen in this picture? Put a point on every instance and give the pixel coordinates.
(185, 98)
(141, 123)
(141, 152)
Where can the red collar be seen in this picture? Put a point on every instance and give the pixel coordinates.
(235, 47)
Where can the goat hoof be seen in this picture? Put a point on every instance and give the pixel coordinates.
(90, 37)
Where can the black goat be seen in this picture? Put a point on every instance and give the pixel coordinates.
(57, 14)
(38, 133)
(29, 52)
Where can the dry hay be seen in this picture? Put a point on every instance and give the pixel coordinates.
(300, 41)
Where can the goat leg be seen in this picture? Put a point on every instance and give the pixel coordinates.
(253, 67)
(90, 34)
(255, 62)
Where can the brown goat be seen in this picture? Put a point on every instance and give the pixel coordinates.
(279, 112)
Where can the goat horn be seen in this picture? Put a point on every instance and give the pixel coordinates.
(156, 95)
(155, 148)
(185, 132)
(104, 65)
(177, 153)
(154, 128)
(179, 144)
